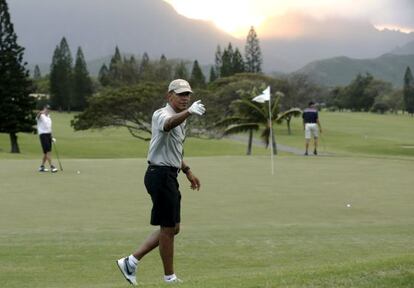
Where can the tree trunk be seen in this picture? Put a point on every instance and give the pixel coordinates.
(288, 124)
(274, 143)
(249, 144)
(14, 145)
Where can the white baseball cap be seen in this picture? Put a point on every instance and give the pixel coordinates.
(179, 86)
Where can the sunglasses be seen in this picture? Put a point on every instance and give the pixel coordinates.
(183, 94)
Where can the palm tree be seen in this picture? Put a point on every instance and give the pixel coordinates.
(251, 116)
(287, 115)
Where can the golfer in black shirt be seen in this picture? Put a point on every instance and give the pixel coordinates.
(310, 125)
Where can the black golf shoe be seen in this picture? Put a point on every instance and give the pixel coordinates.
(42, 168)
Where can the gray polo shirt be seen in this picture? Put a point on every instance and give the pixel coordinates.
(166, 148)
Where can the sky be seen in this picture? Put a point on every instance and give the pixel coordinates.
(236, 16)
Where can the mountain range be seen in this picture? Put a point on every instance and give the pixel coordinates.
(153, 26)
(342, 70)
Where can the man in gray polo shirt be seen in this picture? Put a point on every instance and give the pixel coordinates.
(165, 159)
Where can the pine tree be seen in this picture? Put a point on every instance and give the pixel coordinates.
(213, 75)
(146, 70)
(218, 61)
(409, 91)
(103, 75)
(227, 62)
(164, 69)
(237, 62)
(115, 68)
(16, 105)
(61, 77)
(144, 64)
(253, 54)
(82, 83)
(197, 78)
(36, 73)
(54, 80)
(130, 71)
(181, 71)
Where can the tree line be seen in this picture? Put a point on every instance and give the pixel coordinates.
(128, 90)
(365, 93)
(70, 86)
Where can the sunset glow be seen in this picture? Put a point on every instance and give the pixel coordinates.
(236, 16)
(233, 17)
(394, 28)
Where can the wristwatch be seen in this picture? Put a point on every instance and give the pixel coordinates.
(186, 169)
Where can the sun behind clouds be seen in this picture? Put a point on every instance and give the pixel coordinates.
(234, 17)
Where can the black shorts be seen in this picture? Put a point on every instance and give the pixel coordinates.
(161, 183)
(46, 141)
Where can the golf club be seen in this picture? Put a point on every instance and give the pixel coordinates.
(322, 143)
(57, 154)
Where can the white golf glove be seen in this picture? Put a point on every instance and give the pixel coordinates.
(197, 108)
(53, 140)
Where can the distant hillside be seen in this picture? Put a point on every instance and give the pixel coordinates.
(407, 49)
(342, 70)
(151, 26)
(155, 27)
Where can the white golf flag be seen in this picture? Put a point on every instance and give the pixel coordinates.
(265, 96)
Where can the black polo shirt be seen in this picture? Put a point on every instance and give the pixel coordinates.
(310, 115)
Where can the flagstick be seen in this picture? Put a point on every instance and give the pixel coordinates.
(262, 98)
(271, 133)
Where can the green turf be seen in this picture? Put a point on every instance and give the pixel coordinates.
(245, 228)
(344, 133)
(109, 143)
(358, 133)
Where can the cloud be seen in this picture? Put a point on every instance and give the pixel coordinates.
(398, 13)
(384, 13)
(392, 13)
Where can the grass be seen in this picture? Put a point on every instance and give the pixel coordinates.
(343, 133)
(358, 133)
(108, 143)
(245, 228)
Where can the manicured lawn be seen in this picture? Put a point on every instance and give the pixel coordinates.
(109, 143)
(358, 133)
(245, 228)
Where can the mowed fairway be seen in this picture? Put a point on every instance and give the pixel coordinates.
(245, 228)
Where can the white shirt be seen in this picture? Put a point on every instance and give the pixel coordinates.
(166, 148)
(44, 124)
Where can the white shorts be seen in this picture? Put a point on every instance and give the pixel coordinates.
(311, 129)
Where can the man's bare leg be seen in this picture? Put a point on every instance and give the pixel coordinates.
(166, 246)
(306, 146)
(315, 141)
(148, 245)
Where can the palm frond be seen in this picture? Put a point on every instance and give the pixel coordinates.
(275, 107)
(249, 104)
(230, 120)
(293, 112)
(240, 128)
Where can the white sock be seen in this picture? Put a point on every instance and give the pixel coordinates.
(132, 261)
(169, 277)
